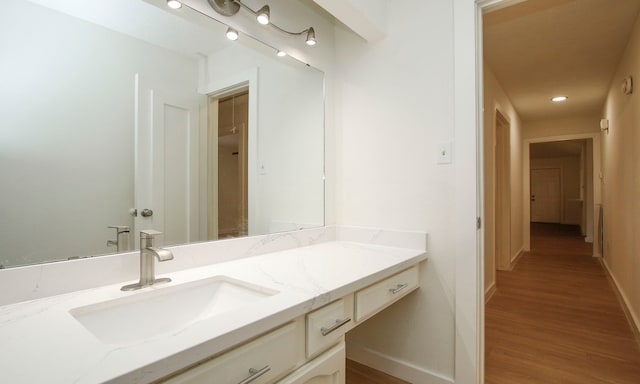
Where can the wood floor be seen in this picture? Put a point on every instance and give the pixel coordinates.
(556, 318)
(361, 374)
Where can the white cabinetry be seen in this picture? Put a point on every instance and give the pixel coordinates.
(320, 333)
(378, 296)
(328, 368)
(327, 325)
(260, 361)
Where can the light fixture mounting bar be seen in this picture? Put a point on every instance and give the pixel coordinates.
(231, 7)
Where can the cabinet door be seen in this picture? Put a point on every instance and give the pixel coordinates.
(328, 368)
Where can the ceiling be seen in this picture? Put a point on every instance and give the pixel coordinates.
(542, 48)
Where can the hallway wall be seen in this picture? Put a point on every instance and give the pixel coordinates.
(496, 98)
(621, 183)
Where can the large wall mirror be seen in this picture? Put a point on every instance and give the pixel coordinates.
(123, 115)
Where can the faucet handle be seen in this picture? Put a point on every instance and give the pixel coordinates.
(120, 228)
(149, 233)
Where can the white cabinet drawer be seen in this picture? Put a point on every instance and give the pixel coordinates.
(268, 357)
(378, 296)
(325, 326)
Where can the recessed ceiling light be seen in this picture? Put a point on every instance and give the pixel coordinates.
(559, 99)
(281, 53)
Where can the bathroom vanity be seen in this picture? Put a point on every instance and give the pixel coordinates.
(278, 317)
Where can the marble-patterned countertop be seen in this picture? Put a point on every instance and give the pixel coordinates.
(41, 342)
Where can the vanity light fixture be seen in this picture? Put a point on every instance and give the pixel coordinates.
(559, 99)
(232, 34)
(263, 16)
(174, 4)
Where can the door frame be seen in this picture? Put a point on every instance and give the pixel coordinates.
(247, 79)
(596, 187)
(502, 191)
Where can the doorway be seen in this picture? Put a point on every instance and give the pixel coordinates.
(228, 164)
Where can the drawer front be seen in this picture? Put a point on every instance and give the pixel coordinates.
(257, 362)
(327, 325)
(328, 368)
(378, 296)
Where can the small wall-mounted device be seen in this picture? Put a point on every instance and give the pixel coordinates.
(627, 85)
(604, 125)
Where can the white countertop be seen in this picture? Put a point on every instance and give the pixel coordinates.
(40, 342)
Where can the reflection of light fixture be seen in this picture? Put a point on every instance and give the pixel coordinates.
(175, 4)
(281, 53)
(311, 36)
(232, 34)
(263, 15)
(559, 99)
(604, 125)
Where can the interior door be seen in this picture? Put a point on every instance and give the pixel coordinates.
(167, 163)
(545, 195)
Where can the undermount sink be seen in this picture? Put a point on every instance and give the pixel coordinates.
(161, 310)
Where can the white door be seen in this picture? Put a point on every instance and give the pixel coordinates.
(166, 171)
(545, 195)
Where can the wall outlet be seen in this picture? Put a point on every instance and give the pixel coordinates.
(444, 152)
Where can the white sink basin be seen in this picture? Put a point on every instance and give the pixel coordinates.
(160, 310)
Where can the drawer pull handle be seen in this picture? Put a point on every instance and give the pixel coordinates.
(338, 324)
(255, 373)
(398, 288)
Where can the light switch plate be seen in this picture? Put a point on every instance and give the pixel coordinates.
(444, 152)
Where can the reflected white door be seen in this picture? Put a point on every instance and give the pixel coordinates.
(166, 164)
(545, 195)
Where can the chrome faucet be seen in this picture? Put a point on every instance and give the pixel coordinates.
(147, 263)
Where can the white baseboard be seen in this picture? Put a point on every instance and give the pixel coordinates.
(625, 302)
(394, 367)
(516, 257)
(488, 293)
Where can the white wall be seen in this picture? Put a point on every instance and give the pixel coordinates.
(621, 184)
(66, 130)
(560, 127)
(496, 99)
(395, 103)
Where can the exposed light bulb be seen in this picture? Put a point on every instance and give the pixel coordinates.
(559, 99)
(232, 34)
(311, 37)
(175, 4)
(263, 16)
(281, 53)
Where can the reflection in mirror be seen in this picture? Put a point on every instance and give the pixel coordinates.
(125, 115)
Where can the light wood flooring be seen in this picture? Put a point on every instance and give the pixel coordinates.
(556, 318)
(361, 374)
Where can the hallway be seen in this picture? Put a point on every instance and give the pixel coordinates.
(556, 319)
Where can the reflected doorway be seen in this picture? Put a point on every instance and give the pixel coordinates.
(228, 149)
